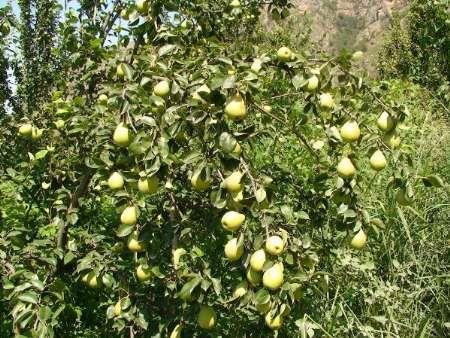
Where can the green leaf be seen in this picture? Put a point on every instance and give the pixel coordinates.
(40, 154)
(188, 288)
(29, 297)
(262, 297)
(433, 181)
(260, 195)
(166, 49)
(124, 230)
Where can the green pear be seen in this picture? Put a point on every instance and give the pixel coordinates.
(148, 185)
(25, 129)
(162, 88)
(284, 54)
(359, 240)
(235, 108)
(115, 181)
(143, 273)
(274, 245)
(350, 131)
(326, 101)
(121, 135)
(346, 168)
(385, 122)
(257, 260)
(313, 83)
(378, 160)
(207, 317)
(234, 249)
(129, 215)
(134, 244)
(233, 182)
(273, 277)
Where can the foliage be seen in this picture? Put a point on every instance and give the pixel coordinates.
(418, 46)
(75, 265)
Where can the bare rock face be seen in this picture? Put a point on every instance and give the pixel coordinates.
(349, 24)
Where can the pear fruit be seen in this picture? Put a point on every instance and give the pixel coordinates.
(115, 181)
(148, 185)
(232, 220)
(120, 70)
(121, 135)
(402, 197)
(233, 182)
(36, 133)
(359, 240)
(92, 280)
(162, 88)
(273, 323)
(235, 4)
(134, 244)
(385, 122)
(234, 249)
(176, 332)
(103, 99)
(273, 277)
(143, 273)
(357, 56)
(129, 215)
(117, 311)
(274, 245)
(124, 14)
(235, 108)
(253, 277)
(198, 182)
(377, 160)
(142, 6)
(237, 149)
(392, 139)
(207, 317)
(284, 54)
(313, 83)
(326, 101)
(241, 289)
(257, 260)
(350, 131)
(25, 129)
(346, 168)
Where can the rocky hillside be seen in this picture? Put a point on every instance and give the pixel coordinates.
(350, 24)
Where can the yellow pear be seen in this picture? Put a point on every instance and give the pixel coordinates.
(346, 168)
(148, 185)
(36, 133)
(129, 215)
(241, 289)
(385, 122)
(235, 108)
(284, 54)
(120, 70)
(207, 317)
(402, 197)
(232, 220)
(273, 323)
(234, 249)
(25, 129)
(115, 181)
(357, 56)
(274, 245)
(273, 277)
(134, 244)
(143, 273)
(257, 260)
(176, 332)
(117, 309)
(92, 280)
(254, 277)
(142, 6)
(198, 182)
(103, 99)
(359, 240)
(326, 101)
(124, 14)
(235, 4)
(233, 182)
(377, 160)
(391, 139)
(162, 88)
(121, 135)
(313, 83)
(350, 131)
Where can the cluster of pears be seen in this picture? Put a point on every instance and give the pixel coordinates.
(349, 133)
(29, 131)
